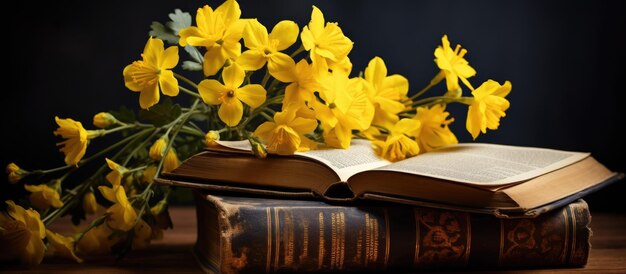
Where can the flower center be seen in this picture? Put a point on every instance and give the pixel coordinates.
(332, 105)
(219, 42)
(144, 74)
(230, 94)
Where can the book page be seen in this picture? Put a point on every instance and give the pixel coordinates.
(486, 164)
(358, 157)
(345, 162)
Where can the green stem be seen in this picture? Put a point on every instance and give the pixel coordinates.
(266, 77)
(189, 92)
(109, 131)
(186, 80)
(132, 153)
(267, 117)
(440, 76)
(300, 49)
(80, 189)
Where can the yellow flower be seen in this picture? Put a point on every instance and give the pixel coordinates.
(171, 161)
(104, 120)
(265, 48)
(219, 32)
(77, 139)
(97, 240)
(21, 234)
(157, 150)
(346, 108)
(62, 245)
(386, 91)
(117, 172)
(121, 215)
(285, 134)
(398, 146)
(15, 173)
(89, 203)
(487, 107)
(453, 65)
(142, 235)
(434, 131)
(43, 196)
(326, 44)
(303, 83)
(230, 95)
(154, 71)
(212, 136)
(148, 174)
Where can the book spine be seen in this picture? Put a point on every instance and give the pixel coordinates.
(269, 239)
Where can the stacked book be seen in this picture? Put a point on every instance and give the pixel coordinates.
(477, 206)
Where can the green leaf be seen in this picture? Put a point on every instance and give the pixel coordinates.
(162, 113)
(124, 115)
(162, 32)
(191, 65)
(180, 20)
(194, 54)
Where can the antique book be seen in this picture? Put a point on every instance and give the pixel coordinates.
(256, 235)
(506, 181)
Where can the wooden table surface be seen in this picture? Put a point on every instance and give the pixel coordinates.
(173, 253)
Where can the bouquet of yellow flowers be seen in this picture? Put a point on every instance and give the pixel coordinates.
(285, 90)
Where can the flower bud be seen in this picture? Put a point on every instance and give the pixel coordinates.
(158, 208)
(43, 196)
(157, 150)
(257, 148)
(104, 120)
(15, 173)
(211, 137)
(89, 203)
(148, 174)
(171, 161)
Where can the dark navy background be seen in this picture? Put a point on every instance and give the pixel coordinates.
(562, 57)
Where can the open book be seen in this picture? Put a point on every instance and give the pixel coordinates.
(503, 180)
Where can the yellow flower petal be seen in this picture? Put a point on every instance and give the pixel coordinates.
(193, 36)
(303, 125)
(169, 84)
(230, 11)
(475, 120)
(233, 76)
(211, 91)
(171, 161)
(214, 59)
(308, 40)
(251, 60)
(255, 35)
(109, 193)
(62, 245)
(264, 130)
(89, 203)
(253, 95)
(286, 33)
(34, 251)
(42, 196)
(169, 58)
(284, 141)
(153, 50)
(230, 112)
(129, 81)
(376, 72)
(317, 20)
(149, 96)
(280, 66)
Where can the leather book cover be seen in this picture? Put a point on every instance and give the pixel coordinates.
(255, 235)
